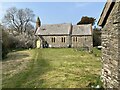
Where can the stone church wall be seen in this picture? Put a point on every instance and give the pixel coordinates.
(58, 41)
(111, 49)
(82, 41)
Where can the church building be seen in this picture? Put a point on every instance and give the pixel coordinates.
(64, 35)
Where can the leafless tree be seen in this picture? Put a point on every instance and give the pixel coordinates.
(19, 19)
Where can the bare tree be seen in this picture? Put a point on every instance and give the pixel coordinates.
(18, 18)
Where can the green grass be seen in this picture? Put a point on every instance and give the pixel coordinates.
(54, 68)
(97, 52)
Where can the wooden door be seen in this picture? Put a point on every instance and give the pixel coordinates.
(38, 43)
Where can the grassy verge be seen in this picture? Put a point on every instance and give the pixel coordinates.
(53, 68)
(96, 52)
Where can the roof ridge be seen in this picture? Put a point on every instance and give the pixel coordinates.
(57, 24)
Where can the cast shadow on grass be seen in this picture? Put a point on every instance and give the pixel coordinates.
(15, 56)
(30, 77)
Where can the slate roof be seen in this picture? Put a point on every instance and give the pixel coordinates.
(54, 29)
(106, 11)
(64, 29)
(85, 29)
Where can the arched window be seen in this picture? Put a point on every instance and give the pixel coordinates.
(63, 39)
(54, 40)
(73, 39)
(76, 39)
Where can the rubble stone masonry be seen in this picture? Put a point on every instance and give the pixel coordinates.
(111, 49)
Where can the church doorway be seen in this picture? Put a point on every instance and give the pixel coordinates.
(38, 43)
(45, 44)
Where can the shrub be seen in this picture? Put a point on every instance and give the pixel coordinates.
(96, 37)
(5, 44)
(21, 41)
(13, 42)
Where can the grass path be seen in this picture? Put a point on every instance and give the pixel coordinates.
(51, 68)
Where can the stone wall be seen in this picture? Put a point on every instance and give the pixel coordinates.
(82, 41)
(58, 41)
(111, 49)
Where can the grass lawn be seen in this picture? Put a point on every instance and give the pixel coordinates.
(51, 68)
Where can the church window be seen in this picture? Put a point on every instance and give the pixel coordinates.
(53, 39)
(63, 39)
(75, 39)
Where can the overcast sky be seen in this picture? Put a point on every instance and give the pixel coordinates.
(58, 12)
